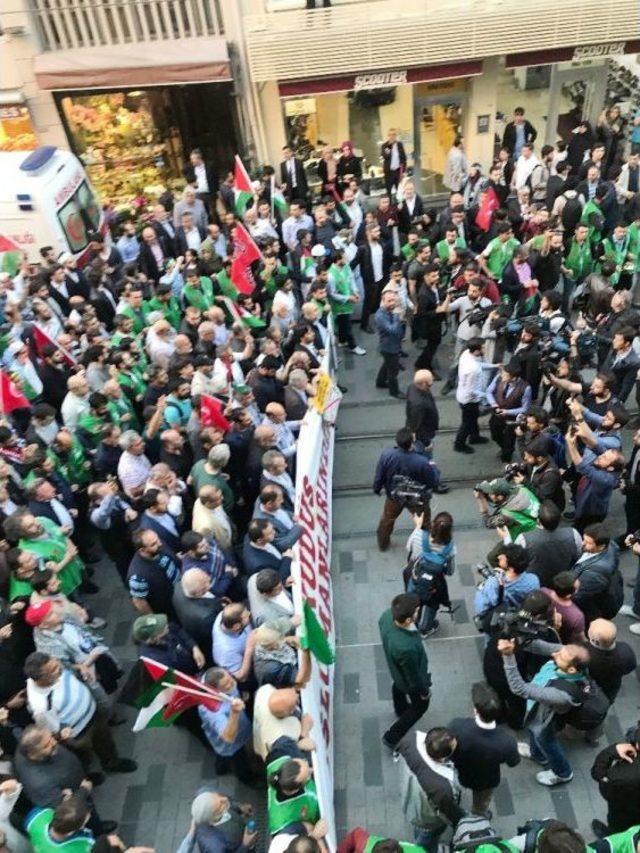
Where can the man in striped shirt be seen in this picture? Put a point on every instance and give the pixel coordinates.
(63, 704)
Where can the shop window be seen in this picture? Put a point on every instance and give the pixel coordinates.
(526, 87)
(16, 129)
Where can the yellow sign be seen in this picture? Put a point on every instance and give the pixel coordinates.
(300, 107)
(322, 392)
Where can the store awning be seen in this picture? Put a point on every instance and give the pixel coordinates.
(154, 63)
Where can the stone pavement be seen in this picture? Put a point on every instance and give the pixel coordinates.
(365, 580)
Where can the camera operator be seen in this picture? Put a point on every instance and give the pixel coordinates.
(536, 425)
(509, 396)
(552, 549)
(599, 432)
(536, 614)
(549, 699)
(527, 356)
(515, 510)
(622, 363)
(402, 460)
(467, 330)
(509, 584)
(542, 474)
(599, 475)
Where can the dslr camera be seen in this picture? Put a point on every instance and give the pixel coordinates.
(477, 316)
(513, 469)
(411, 494)
(520, 626)
(485, 571)
(634, 538)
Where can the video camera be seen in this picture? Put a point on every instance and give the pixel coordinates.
(477, 316)
(486, 572)
(521, 626)
(514, 469)
(411, 494)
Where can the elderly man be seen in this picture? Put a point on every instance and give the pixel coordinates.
(175, 453)
(210, 519)
(275, 655)
(276, 417)
(422, 412)
(193, 205)
(197, 607)
(297, 395)
(218, 824)
(274, 470)
(269, 507)
(263, 439)
(209, 473)
(279, 724)
(161, 342)
(76, 402)
(133, 466)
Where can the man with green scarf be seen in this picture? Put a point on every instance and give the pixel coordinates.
(549, 696)
(198, 290)
(70, 459)
(165, 302)
(90, 424)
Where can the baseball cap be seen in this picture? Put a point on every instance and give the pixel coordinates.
(318, 251)
(499, 486)
(240, 388)
(149, 626)
(36, 613)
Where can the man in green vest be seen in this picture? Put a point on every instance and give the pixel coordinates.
(198, 290)
(63, 829)
(133, 309)
(70, 459)
(578, 263)
(343, 294)
(617, 248)
(627, 841)
(408, 665)
(499, 252)
(592, 215)
(91, 423)
(165, 302)
(119, 406)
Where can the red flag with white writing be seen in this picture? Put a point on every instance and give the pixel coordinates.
(489, 204)
(245, 252)
(211, 413)
(42, 339)
(11, 397)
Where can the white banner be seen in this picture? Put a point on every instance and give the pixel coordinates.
(312, 575)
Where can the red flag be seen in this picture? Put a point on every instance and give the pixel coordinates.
(488, 205)
(42, 339)
(245, 252)
(10, 395)
(211, 413)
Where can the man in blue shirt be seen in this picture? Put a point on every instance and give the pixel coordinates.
(402, 460)
(510, 584)
(228, 728)
(599, 471)
(128, 244)
(390, 333)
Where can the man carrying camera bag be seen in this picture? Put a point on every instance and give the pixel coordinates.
(509, 584)
(406, 477)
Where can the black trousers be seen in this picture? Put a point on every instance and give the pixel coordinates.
(388, 374)
(392, 179)
(425, 359)
(371, 302)
(343, 326)
(469, 426)
(504, 434)
(409, 707)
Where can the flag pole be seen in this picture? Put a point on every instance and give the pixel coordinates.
(206, 693)
(273, 192)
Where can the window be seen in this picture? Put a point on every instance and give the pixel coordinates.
(78, 216)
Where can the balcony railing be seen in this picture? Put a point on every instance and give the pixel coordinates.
(66, 24)
(353, 37)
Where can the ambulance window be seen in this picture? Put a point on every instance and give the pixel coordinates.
(78, 217)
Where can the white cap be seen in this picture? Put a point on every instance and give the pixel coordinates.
(16, 346)
(318, 251)
(63, 257)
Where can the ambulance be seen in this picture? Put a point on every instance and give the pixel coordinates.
(46, 200)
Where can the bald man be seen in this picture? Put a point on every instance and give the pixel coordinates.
(610, 659)
(275, 416)
(196, 607)
(423, 418)
(278, 725)
(210, 519)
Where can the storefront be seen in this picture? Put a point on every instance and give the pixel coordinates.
(132, 118)
(16, 127)
(427, 107)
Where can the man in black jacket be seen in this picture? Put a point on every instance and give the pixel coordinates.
(375, 263)
(543, 476)
(517, 133)
(394, 161)
(527, 358)
(292, 176)
(617, 772)
(622, 363)
(421, 409)
(482, 747)
(153, 254)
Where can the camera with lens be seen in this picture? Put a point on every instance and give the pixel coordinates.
(477, 316)
(507, 625)
(514, 469)
(633, 538)
(485, 571)
(411, 494)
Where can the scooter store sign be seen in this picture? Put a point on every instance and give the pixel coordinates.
(598, 51)
(379, 80)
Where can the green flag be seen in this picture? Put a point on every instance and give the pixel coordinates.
(314, 638)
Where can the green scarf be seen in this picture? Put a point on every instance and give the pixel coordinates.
(52, 548)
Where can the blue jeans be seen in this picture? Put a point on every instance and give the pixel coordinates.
(427, 617)
(428, 838)
(546, 748)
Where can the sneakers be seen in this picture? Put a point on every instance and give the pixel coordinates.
(635, 628)
(549, 779)
(524, 750)
(429, 631)
(358, 351)
(627, 610)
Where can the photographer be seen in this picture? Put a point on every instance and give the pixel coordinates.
(470, 323)
(597, 395)
(515, 509)
(599, 475)
(432, 555)
(510, 397)
(549, 698)
(565, 370)
(509, 584)
(622, 363)
(403, 460)
(599, 432)
(542, 475)
(535, 426)
(527, 357)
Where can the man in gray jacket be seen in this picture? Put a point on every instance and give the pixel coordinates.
(268, 599)
(546, 699)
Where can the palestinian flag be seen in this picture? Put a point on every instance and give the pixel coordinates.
(11, 256)
(313, 637)
(241, 186)
(42, 339)
(161, 705)
(277, 199)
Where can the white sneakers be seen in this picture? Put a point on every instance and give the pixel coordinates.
(358, 351)
(635, 628)
(549, 778)
(524, 750)
(627, 610)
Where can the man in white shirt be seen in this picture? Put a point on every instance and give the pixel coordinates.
(210, 519)
(297, 220)
(76, 402)
(469, 393)
(276, 714)
(525, 165)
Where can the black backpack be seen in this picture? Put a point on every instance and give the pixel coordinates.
(571, 213)
(612, 599)
(590, 705)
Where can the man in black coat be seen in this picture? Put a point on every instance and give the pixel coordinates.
(202, 176)
(394, 161)
(153, 254)
(617, 772)
(54, 373)
(375, 263)
(482, 747)
(518, 132)
(292, 176)
(422, 412)
(196, 609)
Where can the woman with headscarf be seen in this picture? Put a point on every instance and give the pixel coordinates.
(349, 166)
